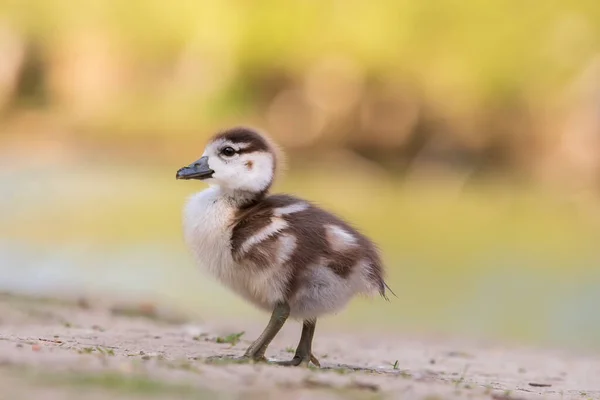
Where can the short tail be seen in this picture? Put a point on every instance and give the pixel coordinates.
(382, 291)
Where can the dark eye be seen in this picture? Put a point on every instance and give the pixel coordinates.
(228, 151)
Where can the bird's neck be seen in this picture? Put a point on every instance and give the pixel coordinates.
(243, 198)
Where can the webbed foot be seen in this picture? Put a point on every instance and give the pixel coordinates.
(303, 360)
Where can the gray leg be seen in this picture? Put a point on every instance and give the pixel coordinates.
(256, 351)
(304, 350)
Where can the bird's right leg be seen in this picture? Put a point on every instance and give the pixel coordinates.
(304, 354)
(256, 351)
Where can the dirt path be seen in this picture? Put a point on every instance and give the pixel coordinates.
(64, 351)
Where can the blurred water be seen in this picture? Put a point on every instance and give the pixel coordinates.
(80, 269)
(510, 301)
(98, 233)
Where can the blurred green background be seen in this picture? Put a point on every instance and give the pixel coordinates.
(464, 137)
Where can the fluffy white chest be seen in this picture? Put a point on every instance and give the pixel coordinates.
(207, 230)
(206, 222)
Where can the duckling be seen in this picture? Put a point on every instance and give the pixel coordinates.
(279, 252)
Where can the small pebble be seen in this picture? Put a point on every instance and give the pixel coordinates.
(534, 384)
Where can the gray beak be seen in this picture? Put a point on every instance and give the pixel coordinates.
(196, 170)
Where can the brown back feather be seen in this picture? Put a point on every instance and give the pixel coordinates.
(309, 228)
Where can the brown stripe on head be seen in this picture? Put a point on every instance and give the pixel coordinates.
(242, 135)
(254, 141)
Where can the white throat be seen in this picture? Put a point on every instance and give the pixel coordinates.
(207, 218)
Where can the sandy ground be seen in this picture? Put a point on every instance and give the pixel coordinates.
(68, 351)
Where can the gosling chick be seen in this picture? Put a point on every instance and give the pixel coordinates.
(281, 253)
